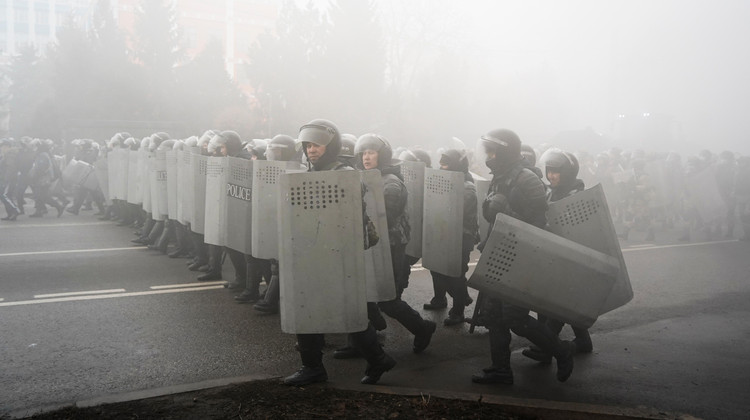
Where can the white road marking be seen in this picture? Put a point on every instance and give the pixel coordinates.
(71, 251)
(18, 226)
(418, 267)
(90, 292)
(114, 295)
(678, 245)
(175, 286)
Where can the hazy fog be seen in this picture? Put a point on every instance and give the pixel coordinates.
(569, 65)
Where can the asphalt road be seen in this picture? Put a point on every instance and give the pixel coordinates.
(84, 314)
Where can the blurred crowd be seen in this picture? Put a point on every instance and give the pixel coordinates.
(703, 197)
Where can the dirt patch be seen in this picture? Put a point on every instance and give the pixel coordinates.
(269, 399)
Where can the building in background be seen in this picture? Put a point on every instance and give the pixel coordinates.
(236, 23)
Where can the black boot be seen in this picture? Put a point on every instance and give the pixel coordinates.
(499, 372)
(247, 296)
(494, 375)
(582, 340)
(310, 349)
(376, 370)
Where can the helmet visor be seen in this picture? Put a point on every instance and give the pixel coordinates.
(277, 152)
(318, 134)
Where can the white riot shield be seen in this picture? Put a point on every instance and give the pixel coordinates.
(442, 221)
(413, 173)
(585, 218)
(115, 174)
(122, 169)
(162, 194)
(381, 286)
(264, 217)
(135, 196)
(111, 166)
(185, 187)
(148, 163)
(215, 229)
(172, 177)
(101, 170)
(321, 265)
(178, 185)
(76, 172)
(239, 189)
(483, 187)
(532, 268)
(704, 196)
(199, 164)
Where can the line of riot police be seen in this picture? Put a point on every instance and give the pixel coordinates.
(335, 245)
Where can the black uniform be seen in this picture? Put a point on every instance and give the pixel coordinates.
(517, 192)
(311, 345)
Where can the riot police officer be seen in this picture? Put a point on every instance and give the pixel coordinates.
(374, 152)
(42, 174)
(456, 160)
(280, 148)
(561, 169)
(321, 142)
(517, 192)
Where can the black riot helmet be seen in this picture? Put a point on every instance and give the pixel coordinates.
(377, 143)
(258, 148)
(529, 154)
(166, 145)
(323, 133)
(454, 160)
(504, 144)
(565, 163)
(157, 139)
(281, 147)
(229, 139)
(191, 141)
(131, 143)
(348, 143)
(416, 155)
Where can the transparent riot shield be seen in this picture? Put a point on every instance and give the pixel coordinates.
(585, 218)
(483, 187)
(76, 172)
(199, 165)
(381, 286)
(215, 229)
(239, 189)
(172, 177)
(135, 196)
(101, 170)
(185, 186)
(413, 173)
(321, 265)
(264, 218)
(442, 231)
(703, 195)
(91, 182)
(532, 268)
